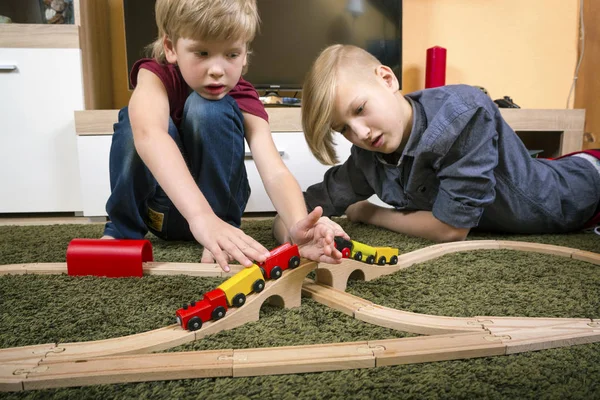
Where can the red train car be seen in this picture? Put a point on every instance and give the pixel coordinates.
(281, 258)
(344, 246)
(213, 306)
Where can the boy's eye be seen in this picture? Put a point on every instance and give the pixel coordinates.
(202, 53)
(233, 55)
(360, 109)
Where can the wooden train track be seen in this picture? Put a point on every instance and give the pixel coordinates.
(122, 359)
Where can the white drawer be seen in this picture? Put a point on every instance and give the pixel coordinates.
(38, 154)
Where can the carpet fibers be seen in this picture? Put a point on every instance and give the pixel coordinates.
(42, 309)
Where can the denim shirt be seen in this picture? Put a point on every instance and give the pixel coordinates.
(465, 164)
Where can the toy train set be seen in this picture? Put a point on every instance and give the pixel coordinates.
(58, 365)
(233, 292)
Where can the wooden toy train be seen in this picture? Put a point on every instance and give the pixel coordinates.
(233, 292)
(363, 252)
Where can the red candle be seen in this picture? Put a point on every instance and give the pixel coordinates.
(435, 74)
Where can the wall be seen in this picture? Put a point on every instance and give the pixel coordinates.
(588, 83)
(526, 49)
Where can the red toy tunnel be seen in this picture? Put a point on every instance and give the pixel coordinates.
(110, 258)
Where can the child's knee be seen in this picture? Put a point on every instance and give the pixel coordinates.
(201, 115)
(122, 132)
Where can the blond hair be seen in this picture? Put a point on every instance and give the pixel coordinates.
(204, 20)
(318, 93)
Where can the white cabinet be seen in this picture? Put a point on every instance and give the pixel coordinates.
(39, 171)
(93, 171)
(47, 72)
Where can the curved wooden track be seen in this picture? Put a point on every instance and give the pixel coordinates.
(116, 360)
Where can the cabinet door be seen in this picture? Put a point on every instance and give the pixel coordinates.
(94, 153)
(38, 152)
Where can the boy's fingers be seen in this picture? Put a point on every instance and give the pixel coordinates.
(237, 254)
(221, 259)
(252, 248)
(331, 251)
(242, 252)
(311, 219)
(207, 257)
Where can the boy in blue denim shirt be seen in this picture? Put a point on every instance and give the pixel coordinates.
(444, 158)
(177, 155)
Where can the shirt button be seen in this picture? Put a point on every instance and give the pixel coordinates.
(422, 189)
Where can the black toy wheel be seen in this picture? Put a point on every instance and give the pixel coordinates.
(239, 300)
(294, 262)
(370, 259)
(276, 273)
(218, 313)
(258, 286)
(194, 324)
(381, 260)
(358, 256)
(394, 260)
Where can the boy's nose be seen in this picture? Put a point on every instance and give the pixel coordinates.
(364, 132)
(215, 70)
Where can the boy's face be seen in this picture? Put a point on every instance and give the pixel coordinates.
(211, 68)
(370, 111)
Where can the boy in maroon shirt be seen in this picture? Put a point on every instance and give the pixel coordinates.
(177, 155)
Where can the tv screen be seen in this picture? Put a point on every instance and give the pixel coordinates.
(292, 33)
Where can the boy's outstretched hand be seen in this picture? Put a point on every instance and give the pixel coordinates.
(314, 237)
(223, 242)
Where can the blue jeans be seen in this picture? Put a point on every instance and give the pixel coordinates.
(211, 140)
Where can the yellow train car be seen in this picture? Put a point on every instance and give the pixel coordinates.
(386, 255)
(363, 252)
(242, 284)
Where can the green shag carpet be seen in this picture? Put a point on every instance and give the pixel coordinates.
(42, 309)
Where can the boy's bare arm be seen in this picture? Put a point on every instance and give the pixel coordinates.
(149, 115)
(414, 223)
(293, 222)
(280, 184)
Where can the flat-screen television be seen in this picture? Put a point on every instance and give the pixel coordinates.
(292, 33)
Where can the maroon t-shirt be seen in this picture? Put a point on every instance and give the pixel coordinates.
(178, 90)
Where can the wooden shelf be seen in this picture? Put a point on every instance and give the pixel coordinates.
(559, 132)
(39, 36)
(100, 122)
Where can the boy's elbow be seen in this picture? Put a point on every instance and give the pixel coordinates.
(453, 235)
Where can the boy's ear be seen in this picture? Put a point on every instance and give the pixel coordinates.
(389, 78)
(170, 53)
